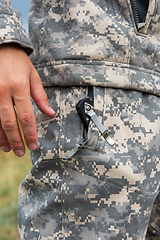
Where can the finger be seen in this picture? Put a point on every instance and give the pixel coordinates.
(4, 143)
(10, 127)
(39, 95)
(26, 117)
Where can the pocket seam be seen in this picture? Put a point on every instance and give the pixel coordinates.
(130, 188)
(45, 122)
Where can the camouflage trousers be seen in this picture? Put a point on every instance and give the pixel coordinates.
(102, 192)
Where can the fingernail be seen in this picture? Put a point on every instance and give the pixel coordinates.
(32, 146)
(5, 148)
(19, 153)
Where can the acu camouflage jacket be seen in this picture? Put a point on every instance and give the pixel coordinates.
(89, 42)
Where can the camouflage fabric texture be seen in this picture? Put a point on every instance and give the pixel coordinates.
(11, 28)
(90, 42)
(102, 192)
(95, 42)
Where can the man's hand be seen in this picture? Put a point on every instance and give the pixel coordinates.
(19, 81)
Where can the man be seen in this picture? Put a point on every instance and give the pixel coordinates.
(86, 182)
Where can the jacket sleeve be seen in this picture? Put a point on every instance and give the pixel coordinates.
(11, 28)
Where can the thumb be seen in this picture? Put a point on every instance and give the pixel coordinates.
(38, 94)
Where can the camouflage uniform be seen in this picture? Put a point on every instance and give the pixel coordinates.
(101, 192)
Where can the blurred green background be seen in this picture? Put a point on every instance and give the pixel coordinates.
(12, 171)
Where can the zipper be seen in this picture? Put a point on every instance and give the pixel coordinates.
(139, 8)
(90, 94)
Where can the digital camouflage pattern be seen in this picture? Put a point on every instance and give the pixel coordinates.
(95, 42)
(102, 192)
(11, 29)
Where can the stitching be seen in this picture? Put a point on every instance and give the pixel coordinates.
(115, 182)
(97, 62)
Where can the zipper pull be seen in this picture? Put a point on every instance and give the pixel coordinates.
(89, 111)
(139, 9)
(86, 112)
(81, 111)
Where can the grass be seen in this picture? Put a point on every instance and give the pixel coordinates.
(12, 171)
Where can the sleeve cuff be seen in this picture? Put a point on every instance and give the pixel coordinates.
(12, 30)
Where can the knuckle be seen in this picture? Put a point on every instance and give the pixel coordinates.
(16, 86)
(44, 96)
(15, 144)
(30, 136)
(8, 125)
(17, 83)
(26, 119)
(3, 90)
